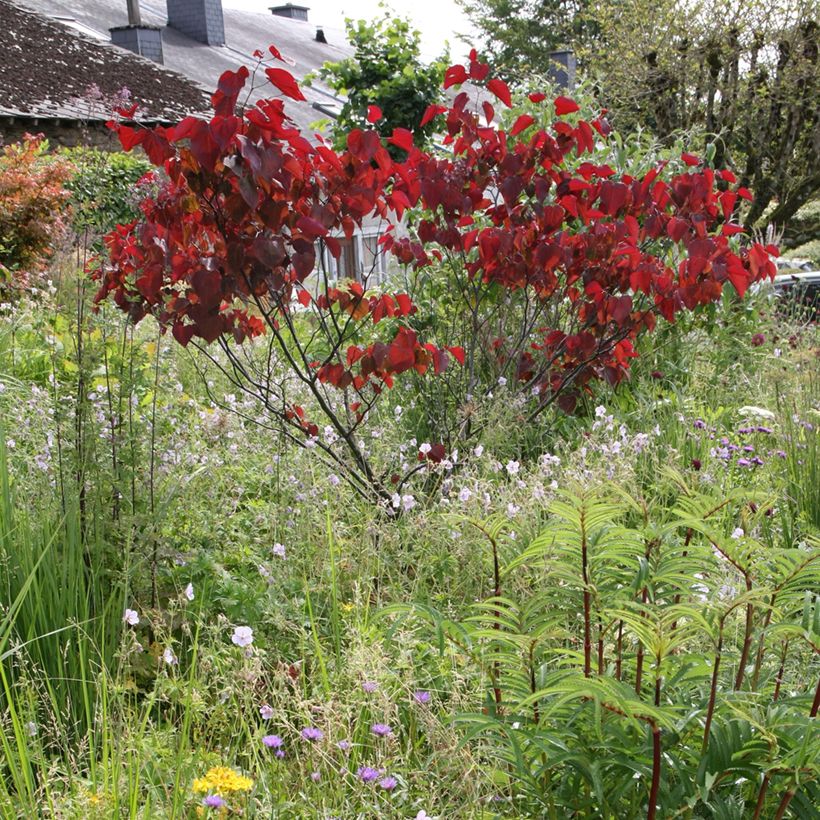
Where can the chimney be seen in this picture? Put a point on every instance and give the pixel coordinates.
(320, 35)
(200, 19)
(562, 68)
(291, 11)
(141, 39)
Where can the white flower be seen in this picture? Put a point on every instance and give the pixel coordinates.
(600, 411)
(777, 353)
(279, 550)
(513, 467)
(266, 711)
(425, 448)
(398, 410)
(512, 509)
(760, 412)
(189, 592)
(242, 636)
(395, 500)
(334, 480)
(501, 381)
(464, 494)
(168, 656)
(408, 502)
(738, 533)
(478, 451)
(130, 617)
(31, 729)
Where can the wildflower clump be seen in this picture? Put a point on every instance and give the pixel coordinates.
(222, 780)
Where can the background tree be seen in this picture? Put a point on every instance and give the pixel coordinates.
(518, 35)
(740, 75)
(386, 83)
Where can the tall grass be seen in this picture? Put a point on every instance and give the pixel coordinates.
(60, 630)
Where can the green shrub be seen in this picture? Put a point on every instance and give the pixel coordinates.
(102, 189)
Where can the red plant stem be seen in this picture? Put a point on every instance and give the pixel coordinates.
(747, 639)
(761, 797)
(600, 648)
(780, 672)
(784, 804)
(710, 709)
(816, 703)
(639, 659)
(535, 713)
(656, 773)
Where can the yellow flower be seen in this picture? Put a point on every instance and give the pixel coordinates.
(221, 780)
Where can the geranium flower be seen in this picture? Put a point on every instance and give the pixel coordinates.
(242, 636)
(131, 617)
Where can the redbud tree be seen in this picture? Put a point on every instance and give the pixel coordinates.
(227, 252)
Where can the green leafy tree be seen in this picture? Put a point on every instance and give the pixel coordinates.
(518, 35)
(385, 82)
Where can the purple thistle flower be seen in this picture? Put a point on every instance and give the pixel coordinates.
(315, 776)
(367, 774)
(272, 741)
(381, 730)
(421, 697)
(700, 424)
(388, 783)
(743, 462)
(312, 733)
(213, 801)
(279, 754)
(344, 745)
(369, 686)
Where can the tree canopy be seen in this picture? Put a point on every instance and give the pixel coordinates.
(385, 82)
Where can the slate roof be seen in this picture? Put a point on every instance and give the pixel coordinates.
(46, 69)
(245, 32)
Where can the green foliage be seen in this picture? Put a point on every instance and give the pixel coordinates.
(628, 609)
(103, 188)
(518, 35)
(386, 71)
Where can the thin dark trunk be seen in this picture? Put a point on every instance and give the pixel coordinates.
(618, 652)
(710, 709)
(779, 679)
(656, 773)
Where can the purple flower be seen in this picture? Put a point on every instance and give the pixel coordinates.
(381, 730)
(213, 801)
(272, 741)
(279, 754)
(743, 462)
(312, 733)
(344, 745)
(370, 687)
(315, 776)
(421, 697)
(388, 783)
(367, 774)
(700, 424)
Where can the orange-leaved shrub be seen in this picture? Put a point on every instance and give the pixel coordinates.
(33, 206)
